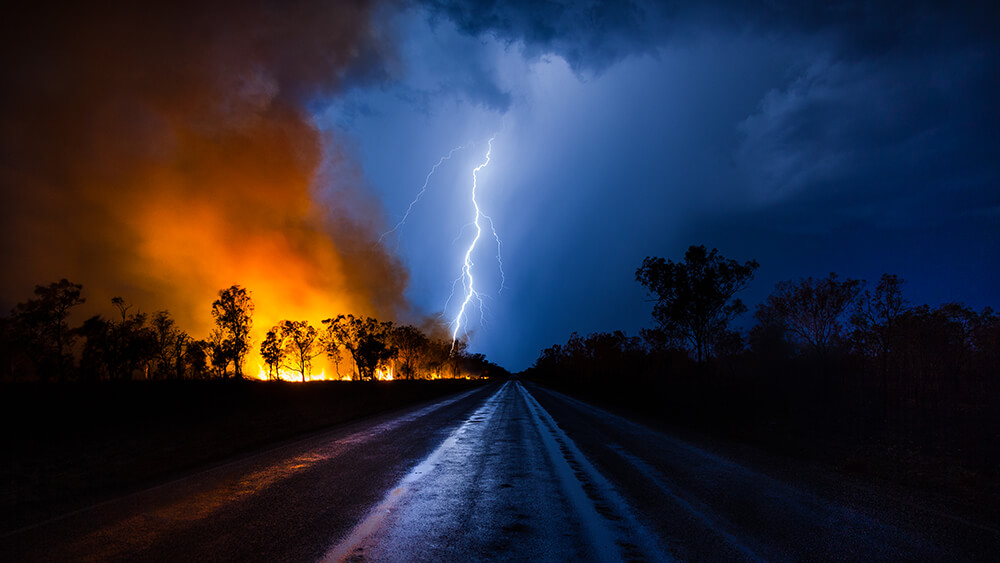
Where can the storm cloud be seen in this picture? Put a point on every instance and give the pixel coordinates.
(812, 136)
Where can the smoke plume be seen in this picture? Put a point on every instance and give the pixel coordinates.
(163, 152)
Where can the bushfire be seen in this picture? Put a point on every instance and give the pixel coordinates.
(284, 374)
(164, 153)
(163, 170)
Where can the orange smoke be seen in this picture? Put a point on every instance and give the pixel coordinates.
(164, 153)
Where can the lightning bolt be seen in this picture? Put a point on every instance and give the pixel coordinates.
(420, 193)
(466, 278)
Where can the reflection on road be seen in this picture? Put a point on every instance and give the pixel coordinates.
(508, 483)
(502, 472)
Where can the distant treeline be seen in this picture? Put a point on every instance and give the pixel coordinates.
(825, 357)
(37, 343)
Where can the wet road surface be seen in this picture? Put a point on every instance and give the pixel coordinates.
(504, 472)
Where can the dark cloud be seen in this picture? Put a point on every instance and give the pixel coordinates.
(589, 35)
(876, 131)
(458, 67)
(855, 136)
(593, 34)
(891, 102)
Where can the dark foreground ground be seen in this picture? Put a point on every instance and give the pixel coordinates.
(507, 471)
(69, 446)
(948, 461)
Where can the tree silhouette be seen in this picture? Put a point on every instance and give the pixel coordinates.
(233, 314)
(219, 352)
(876, 315)
(169, 343)
(272, 351)
(456, 356)
(366, 338)
(119, 348)
(337, 334)
(301, 343)
(372, 345)
(812, 310)
(694, 298)
(331, 343)
(196, 358)
(97, 342)
(40, 328)
(436, 355)
(875, 324)
(7, 351)
(411, 344)
(131, 344)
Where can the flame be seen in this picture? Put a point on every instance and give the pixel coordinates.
(290, 375)
(285, 374)
(384, 374)
(381, 374)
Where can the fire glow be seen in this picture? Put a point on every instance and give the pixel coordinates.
(167, 186)
(293, 376)
(285, 374)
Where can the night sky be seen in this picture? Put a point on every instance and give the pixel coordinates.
(848, 138)
(853, 137)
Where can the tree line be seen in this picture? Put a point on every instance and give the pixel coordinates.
(830, 354)
(38, 343)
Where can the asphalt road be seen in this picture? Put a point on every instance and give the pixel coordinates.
(503, 472)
